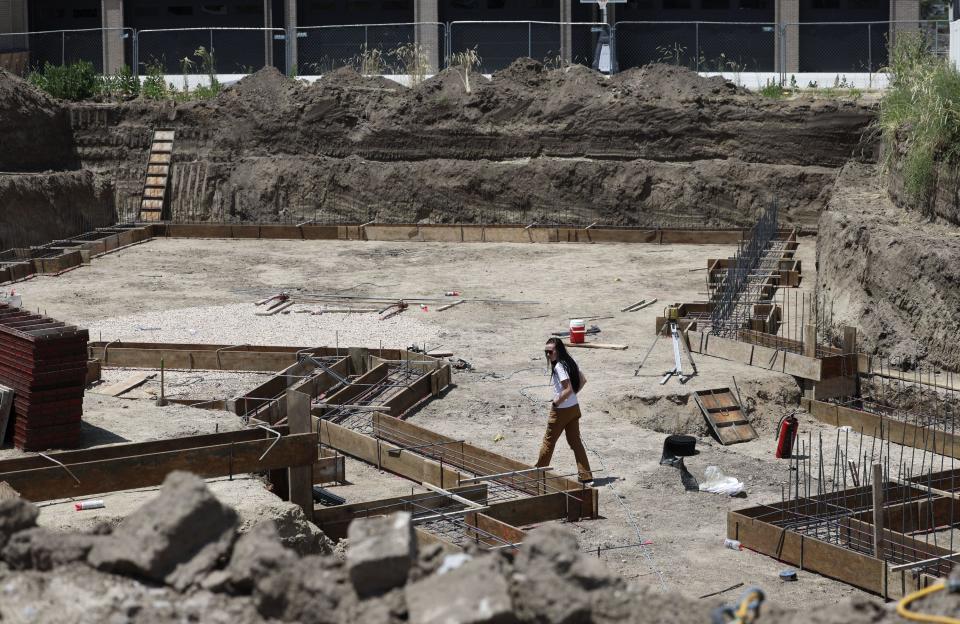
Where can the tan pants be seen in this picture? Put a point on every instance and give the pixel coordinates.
(565, 420)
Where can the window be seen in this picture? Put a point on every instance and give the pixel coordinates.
(676, 5)
(146, 11)
(214, 9)
(81, 13)
(180, 10)
(250, 9)
(359, 5)
(715, 5)
(464, 4)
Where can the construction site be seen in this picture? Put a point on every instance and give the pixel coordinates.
(278, 355)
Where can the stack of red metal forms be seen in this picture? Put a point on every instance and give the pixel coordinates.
(45, 362)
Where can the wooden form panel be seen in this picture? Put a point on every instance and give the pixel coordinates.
(386, 456)
(754, 355)
(897, 431)
(335, 520)
(808, 553)
(142, 470)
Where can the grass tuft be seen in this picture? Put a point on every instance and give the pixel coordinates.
(920, 115)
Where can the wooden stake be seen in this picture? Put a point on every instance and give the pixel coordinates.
(877, 511)
(301, 478)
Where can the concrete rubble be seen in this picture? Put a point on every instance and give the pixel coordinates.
(179, 558)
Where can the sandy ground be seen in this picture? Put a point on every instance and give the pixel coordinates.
(501, 404)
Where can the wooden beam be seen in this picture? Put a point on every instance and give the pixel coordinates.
(301, 476)
(335, 520)
(125, 473)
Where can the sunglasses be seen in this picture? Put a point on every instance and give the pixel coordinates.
(549, 351)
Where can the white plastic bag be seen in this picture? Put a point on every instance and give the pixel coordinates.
(719, 483)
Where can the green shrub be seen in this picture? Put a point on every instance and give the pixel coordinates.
(154, 87)
(122, 85)
(773, 90)
(74, 82)
(920, 114)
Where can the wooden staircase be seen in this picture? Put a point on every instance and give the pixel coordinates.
(158, 173)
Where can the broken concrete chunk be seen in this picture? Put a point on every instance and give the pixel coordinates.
(554, 581)
(209, 557)
(167, 532)
(257, 554)
(477, 592)
(381, 552)
(39, 548)
(312, 591)
(16, 514)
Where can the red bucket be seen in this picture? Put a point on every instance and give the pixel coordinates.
(578, 330)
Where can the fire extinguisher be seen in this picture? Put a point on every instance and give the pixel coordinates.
(786, 432)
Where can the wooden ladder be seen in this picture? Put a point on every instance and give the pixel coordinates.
(158, 173)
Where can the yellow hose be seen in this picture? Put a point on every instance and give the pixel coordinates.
(904, 604)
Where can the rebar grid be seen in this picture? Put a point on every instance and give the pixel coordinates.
(746, 281)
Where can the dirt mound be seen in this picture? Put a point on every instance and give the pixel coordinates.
(35, 128)
(669, 82)
(264, 90)
(348, 78)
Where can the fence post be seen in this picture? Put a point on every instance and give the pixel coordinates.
(366, 37)
(63, 47)
(696, 45)
(870, 54)
(529, 39)
(614, 59)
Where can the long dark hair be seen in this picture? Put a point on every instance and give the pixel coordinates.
(563, 357)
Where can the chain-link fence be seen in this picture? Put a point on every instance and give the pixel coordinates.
(700, 46)
(373, 49)
(730, 47)
(853, 47)
(498, 44)
(63, 47)
(232, 50)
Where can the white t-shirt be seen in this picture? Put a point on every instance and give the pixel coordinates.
(557, 378)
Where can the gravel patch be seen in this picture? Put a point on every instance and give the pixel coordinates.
(187, 384)
(239, 324)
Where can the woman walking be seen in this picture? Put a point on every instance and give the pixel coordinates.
(568, 380)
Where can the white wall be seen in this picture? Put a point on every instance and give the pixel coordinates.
(955, 41)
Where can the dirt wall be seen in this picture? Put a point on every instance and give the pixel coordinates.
(889, 272)
(38, 208)
(35, 129)
(654, 146)
(543, 190)
(944, 200)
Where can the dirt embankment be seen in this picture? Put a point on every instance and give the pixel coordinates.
(890, 272)
(35, 128)
(38, 208)
(944, 200)
(653, 146)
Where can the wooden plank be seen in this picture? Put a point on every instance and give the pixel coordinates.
(6, 407)
(597, 345)
(943, 443)
(359, 385)
(491, 532)
(724, 416)
(413, 394)
(136, 449)
(335, 520)
(808, 553)
(301, 476)
(126, 473)
(126, 385)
